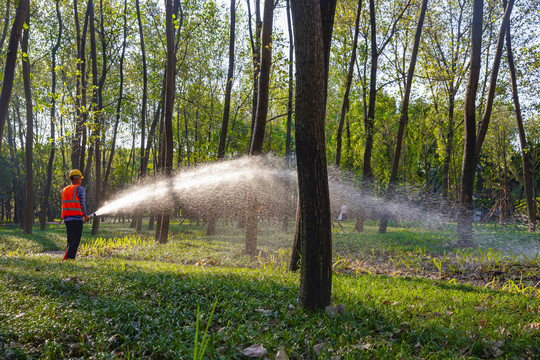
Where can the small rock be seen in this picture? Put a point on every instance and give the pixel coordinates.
(263, 311)
(334, 310)
(317, 348)
(255, 351)
(281, 354)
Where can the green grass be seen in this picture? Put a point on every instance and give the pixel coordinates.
(406, 295)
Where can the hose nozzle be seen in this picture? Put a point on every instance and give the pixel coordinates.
(91, 216)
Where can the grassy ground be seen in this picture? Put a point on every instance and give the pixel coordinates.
(403, 295)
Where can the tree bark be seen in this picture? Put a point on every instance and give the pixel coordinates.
(6, 23)
(77, 146)
(228, 87)
(404, 118)
(313, 22)
(28, 214)
(119, 103)
(96, 110)
(168, 108)
(11, 62)
(493, 80)
(525, 147)
(256, 53)
(211, 230)
(257, 139)
(45, 198)
(465, 219)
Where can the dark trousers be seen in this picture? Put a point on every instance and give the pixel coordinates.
(74, 233)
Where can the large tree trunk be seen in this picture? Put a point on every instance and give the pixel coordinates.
(404, 118)
(525, 148)
(11, 62)
(313, 21)
(28, 215)
(163, 232)
(45, 198)
(345, 104)
(257, 139)
(465, 218)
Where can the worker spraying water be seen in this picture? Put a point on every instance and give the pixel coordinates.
(74, 212)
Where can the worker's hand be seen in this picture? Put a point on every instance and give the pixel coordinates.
(86, 218)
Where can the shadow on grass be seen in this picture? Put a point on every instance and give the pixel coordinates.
(148, 310)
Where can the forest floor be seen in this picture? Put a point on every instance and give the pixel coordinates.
(404, 294)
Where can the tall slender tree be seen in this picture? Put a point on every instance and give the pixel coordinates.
(120, 99)
(28, 214)
(493, 80)
(404, 118)
(464, 226)
(525, 147)
(348, 83)
(226, 107)
(45, 198)
(6, 25)
(142, 169)
(162, 231)
(257, 138)
(11, 62)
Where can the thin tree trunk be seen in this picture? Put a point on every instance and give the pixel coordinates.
(256, 53)
(16, 170)
(259, 127)
(11, 62)
(348, 83)
(286, 200)
(80, 98)
(464, 226)
(228, 88)
(163, 232)
(96, 114)
(404, 118)
(525, 148)
(211, 230)
(45, 198)
(291, 87)
(493, 80)
(6, 23)
(29, 183)
(119, 104)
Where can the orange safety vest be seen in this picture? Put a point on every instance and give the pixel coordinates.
(71, 204)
